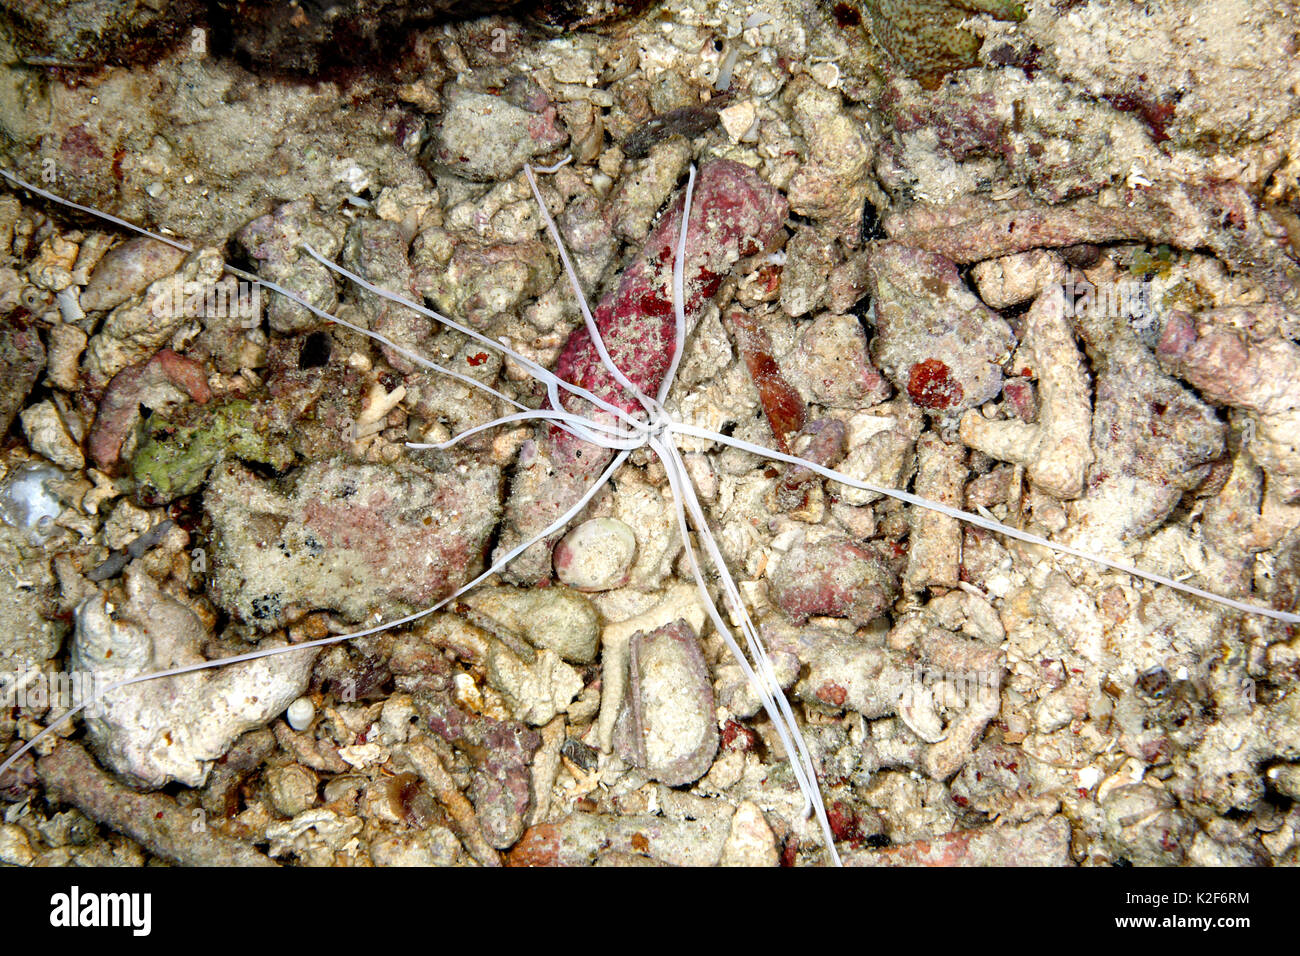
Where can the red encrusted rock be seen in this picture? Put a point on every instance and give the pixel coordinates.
(734, 214)
(835, 578)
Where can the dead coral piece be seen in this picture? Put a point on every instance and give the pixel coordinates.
(934, 552)
(832, 186)
(275, 241)
(1037, 843)
(581, 838)
(835, 577)
(1259, 375)
(459, 810)
(1153, 439)
(1056, 450)
(975, 228)
(934, 338)
(172, 728)
(154, 821)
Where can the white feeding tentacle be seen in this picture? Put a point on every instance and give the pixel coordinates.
(649, 404)
(542, 374)
(764, 681)
(988, 524)
(616, 438)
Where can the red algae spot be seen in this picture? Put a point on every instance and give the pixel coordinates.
(653, 303)
(931, 386)
(477, 359)
(832, 693)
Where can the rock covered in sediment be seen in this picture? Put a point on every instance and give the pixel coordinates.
(172, 728)
(487, 138)
(1153, 439)
(934, 339)
(349, 537)
(555, 618)
(667, 726)
(501, 752)
(836, 578)
(830, 365)
(377, 251)
(274, 242)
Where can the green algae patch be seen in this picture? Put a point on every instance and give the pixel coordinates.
(174, 457)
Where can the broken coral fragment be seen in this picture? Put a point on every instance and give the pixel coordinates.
(1056, 450)
(1260, 376)
(173, 728)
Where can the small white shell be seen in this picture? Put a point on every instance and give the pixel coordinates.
(300, 713)
(596, 555)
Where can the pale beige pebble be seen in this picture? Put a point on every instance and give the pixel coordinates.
(11, 289)
(1286, 780)
(127, 270)
(1017, 278)
(597, 555)
(292, 789)
(934, 557)
(52, 268)
(751, 841)
(738, 119)
(48, 436)
(397, 718)
(1057, 449)
(15, 848)
(105, 490)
